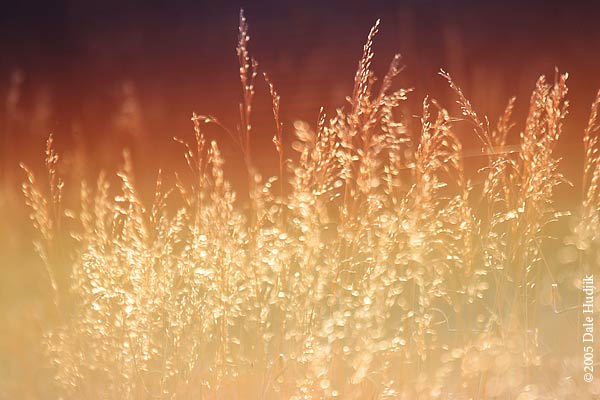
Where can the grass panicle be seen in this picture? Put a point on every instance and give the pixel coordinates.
(376, 269)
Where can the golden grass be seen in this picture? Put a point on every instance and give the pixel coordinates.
(375, 268)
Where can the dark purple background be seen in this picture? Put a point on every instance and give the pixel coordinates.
(179, 56)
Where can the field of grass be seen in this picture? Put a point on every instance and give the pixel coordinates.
(381, 262)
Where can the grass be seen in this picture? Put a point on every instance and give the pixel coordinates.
(372, 266)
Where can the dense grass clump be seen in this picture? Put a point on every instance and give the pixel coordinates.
(372, 266)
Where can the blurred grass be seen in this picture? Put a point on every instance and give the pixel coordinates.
(27, 311)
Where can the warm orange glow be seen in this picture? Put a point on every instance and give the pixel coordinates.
(397, 247)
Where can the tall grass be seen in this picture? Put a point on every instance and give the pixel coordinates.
(371, 267)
